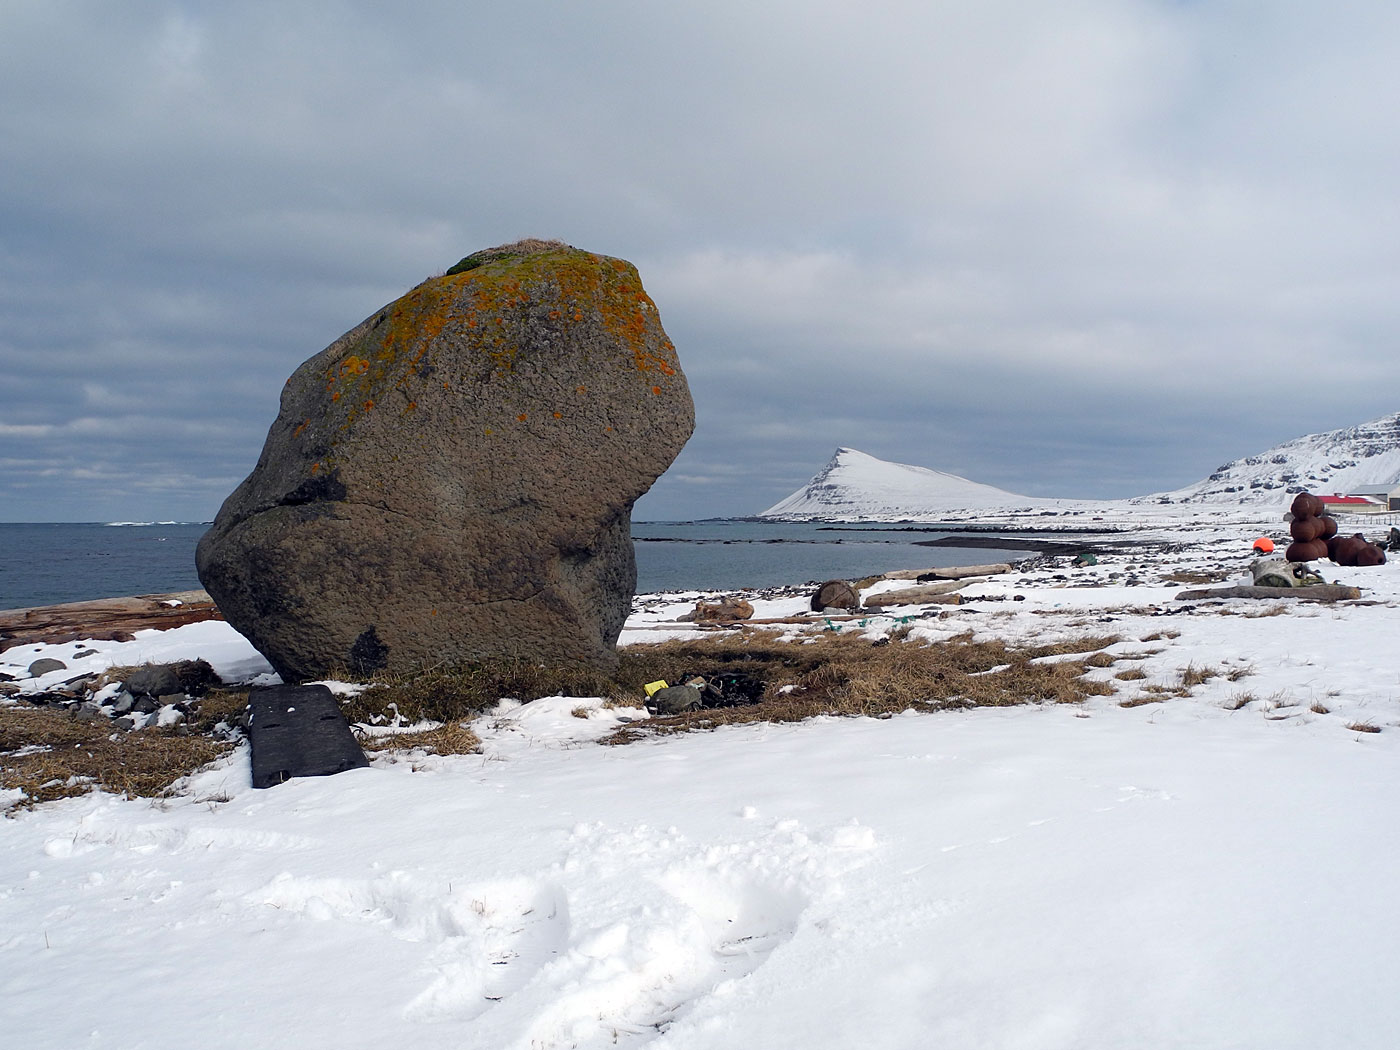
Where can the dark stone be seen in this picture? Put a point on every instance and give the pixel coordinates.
(458, 471)
(299, 731)
(192, 677)
(45, 666)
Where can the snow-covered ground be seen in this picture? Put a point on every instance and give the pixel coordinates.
(1206, 871)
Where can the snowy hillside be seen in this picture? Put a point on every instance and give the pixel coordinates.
(1363, 456)
(855, 485)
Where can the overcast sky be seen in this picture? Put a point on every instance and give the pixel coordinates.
(1089, 248)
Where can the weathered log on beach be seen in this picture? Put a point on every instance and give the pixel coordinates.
(105, 619)
(962, 572)
(947, 572)
(1322, 592)
(933, 594)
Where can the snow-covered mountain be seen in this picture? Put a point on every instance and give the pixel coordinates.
(855, 486)
(1346, 460)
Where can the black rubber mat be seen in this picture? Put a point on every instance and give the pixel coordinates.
(298, 731)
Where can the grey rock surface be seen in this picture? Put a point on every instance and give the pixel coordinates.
(453, 478)
(193, 677)
(674, 699)
(42, 667)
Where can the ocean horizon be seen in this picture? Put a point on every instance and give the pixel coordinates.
(48, 563)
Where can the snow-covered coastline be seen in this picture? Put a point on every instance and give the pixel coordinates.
(1142, 869)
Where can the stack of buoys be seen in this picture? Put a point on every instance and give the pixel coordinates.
(1315, 536)
(1310, 528)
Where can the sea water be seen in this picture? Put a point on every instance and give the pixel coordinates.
(44, 564)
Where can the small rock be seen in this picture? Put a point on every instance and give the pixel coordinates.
(126, 723)
(42, 667)
(674, 699)
(146, 705)
(193, 677)
(84, 652)
(121, 703)
(6, 689)
(88, 713)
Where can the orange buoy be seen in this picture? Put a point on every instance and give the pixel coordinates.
(1264, 545)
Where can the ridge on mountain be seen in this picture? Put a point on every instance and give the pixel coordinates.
(1348, 459)
(856, 485)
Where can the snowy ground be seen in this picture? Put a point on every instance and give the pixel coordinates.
(1206, 871)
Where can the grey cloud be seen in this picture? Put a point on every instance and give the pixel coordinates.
(1092, 248)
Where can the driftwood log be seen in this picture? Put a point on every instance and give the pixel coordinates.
(950, 572)
(929, 594)
(962, 572)
(106, 619)
(1322, 592)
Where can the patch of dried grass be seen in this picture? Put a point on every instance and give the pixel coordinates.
(1363, 727)
(1139, 701)
(449, 739)
(1189, 576)
(1192, 676)
(451, 693)
(77, 756)
(845, 674)
(1132, 674)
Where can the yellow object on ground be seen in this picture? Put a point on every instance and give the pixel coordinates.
(652, 687)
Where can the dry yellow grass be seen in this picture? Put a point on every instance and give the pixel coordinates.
(1197, 577)
(48, 754)
(450, 739)
(831, 674)
(1139, 701)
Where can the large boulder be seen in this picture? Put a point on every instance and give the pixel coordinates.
(453, 478)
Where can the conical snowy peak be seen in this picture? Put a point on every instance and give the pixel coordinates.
(854, 485)
(1362, 457)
